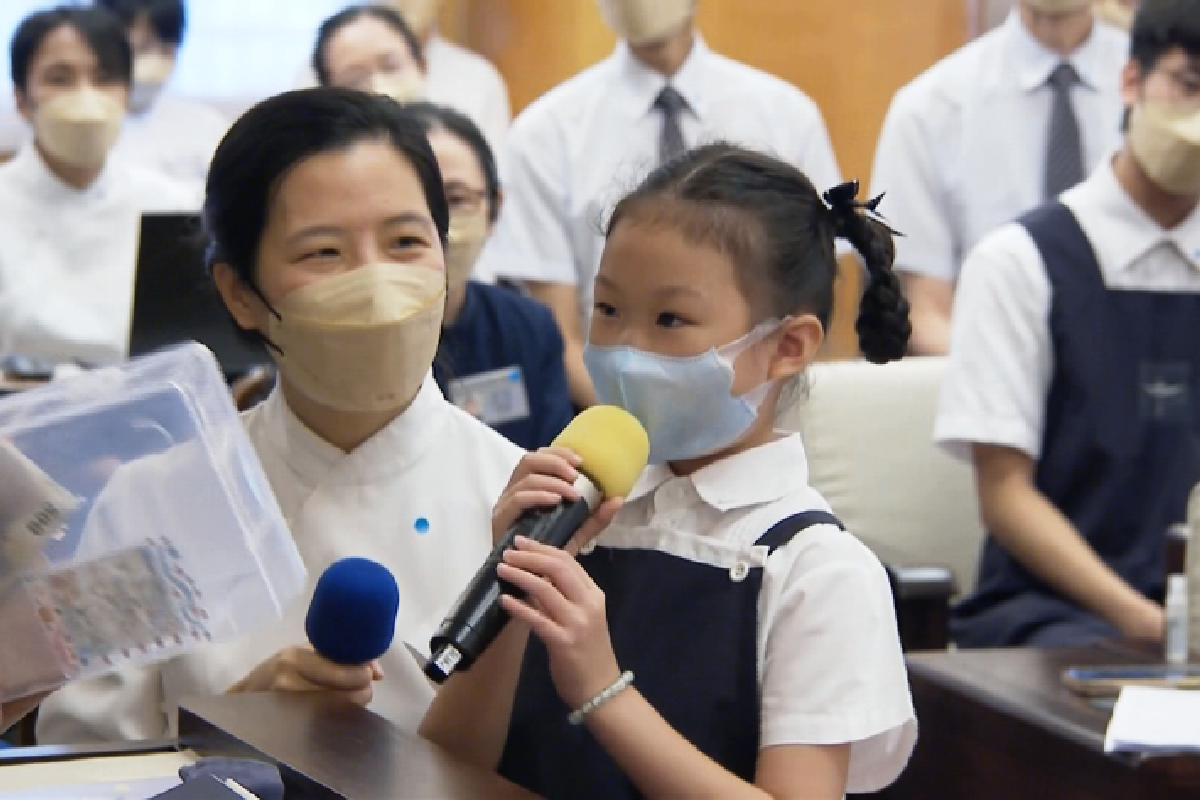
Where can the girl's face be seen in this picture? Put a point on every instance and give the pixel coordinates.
(655, 291)
(462, 175)
(334, 212)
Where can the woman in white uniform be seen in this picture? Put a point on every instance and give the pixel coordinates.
(69, 213)
(327, 225)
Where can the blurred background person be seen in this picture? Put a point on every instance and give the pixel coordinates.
(69, 212)
(163, 131)
(396, 36)
(500, 356)
(1011, 119)
(370, 49)
(663, 90)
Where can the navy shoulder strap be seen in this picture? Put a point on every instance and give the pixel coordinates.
(1066, 251)
(786, 529)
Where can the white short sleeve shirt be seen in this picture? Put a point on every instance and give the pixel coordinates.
(470, 83)
(417, 498)
(828, 651)
(962, 150)
(67, 256)
(589, 141)
(1001, 357)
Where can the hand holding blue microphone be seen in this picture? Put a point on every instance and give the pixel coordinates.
(350, 624)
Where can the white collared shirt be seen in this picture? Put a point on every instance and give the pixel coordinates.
(587, 142)
(830, 665)
(176, 137)
(417, 497)
(1001, 355)
(963, 147)
(67, 256)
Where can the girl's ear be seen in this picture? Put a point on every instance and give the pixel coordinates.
(800, 338)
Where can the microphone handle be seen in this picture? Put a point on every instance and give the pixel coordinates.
(478, 618)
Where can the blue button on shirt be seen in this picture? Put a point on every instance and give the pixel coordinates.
(498, 328)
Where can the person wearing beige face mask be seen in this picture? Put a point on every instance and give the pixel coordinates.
(370, 49)
(326, 221)
(68, 212)
(500, 355)
(570, 152)
(164, 132)
(1006, 122)
(1074, 379)
(376, 42)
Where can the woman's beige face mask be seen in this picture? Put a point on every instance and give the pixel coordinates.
(1058, 6)
(1165, 141)
(79, 127)
(364, 340)
(403, 87)
(468, 232)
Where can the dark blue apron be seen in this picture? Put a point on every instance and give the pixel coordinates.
(689, 633)
(1119, 452)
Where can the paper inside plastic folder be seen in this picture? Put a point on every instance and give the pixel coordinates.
(165, 533)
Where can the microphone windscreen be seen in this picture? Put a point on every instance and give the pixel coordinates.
(613, 445)
(352, 618)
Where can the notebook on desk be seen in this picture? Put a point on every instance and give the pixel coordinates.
(175, 300)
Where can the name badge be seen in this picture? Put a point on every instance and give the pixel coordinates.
(492, 397)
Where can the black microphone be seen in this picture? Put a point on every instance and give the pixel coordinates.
(613, 447)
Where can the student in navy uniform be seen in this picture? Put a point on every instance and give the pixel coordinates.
(757, 636)
(1074, 373)
(501, 355)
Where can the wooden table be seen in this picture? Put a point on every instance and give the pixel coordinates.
(999, 724)
(324, 748)
(330, 748)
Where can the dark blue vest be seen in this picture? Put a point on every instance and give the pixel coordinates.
(1119, 450)
(689, 633)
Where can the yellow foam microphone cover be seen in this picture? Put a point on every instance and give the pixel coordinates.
(613, 445)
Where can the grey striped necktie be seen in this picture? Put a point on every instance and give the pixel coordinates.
(1064, 145)
(670, 143)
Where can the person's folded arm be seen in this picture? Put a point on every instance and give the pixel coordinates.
(1037, 534)
(931, 300)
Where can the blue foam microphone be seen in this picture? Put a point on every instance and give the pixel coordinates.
(352, 617)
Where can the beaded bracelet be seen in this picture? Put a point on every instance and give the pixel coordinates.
(622, 683)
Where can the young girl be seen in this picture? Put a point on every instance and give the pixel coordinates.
(724, 636)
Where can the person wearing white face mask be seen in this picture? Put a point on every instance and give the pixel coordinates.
(1006, 122)
(327, 222)
(385, 37)
(68, 211)
(500, 355)
(574, 149)
(164, 132)
(1074, 377)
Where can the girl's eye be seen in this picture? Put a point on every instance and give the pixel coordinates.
(669, 320)
(605, 310)
(408, 241)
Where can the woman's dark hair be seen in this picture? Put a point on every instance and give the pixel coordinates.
(167, 18)
(98, 27)
(767, 217)
(331, 26)
(433, 117)
(270, 139)
(1162, 25)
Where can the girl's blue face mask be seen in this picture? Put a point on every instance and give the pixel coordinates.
(686, 404)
